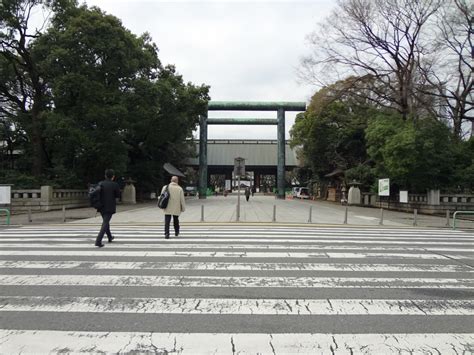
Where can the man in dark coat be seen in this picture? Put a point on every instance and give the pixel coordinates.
(247, 193)
(109, 192)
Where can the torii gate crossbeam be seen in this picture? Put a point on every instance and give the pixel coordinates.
(280, 107)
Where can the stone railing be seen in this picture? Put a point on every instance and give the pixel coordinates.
(432, 202)
(47, 199)
(457, 199)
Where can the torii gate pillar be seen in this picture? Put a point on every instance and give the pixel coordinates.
(281, 153)
(202, 189)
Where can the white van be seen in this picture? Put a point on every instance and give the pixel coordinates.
(294, 191)
(303, 192)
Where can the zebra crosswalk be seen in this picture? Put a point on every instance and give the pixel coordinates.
(235, 289)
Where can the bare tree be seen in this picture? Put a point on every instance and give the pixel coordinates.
(379, 41)
(452, 64)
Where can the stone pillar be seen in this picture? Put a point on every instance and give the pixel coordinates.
(129, 193)
(373, 200)
(353, 197)
(433, 197)
(46, 197)
(281, 154)
(202, 188)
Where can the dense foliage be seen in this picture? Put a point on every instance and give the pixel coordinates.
(104, 101)
(365, 143)
(415, 155)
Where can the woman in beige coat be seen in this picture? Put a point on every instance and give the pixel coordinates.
(176, 205)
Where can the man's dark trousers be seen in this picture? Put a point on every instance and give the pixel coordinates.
(175, 224)
(105, 229)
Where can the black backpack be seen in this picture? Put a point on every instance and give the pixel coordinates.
(164, 198)
(94, 196)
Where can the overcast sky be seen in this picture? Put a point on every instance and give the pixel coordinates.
(245, 50)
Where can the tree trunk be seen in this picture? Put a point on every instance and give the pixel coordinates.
(37, 145)
(37, 118)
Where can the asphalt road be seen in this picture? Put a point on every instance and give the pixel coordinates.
(236, 288)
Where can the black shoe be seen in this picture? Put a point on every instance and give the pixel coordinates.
(176, 234)
(111, 238)
(167, 237)
(99, 245)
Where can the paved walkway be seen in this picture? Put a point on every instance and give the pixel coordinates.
(259, 209)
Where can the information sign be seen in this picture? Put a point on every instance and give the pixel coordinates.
(384, 187)
(5, 195)
(239, 167)
(404, 196)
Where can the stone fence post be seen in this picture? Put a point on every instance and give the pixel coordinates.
(433, 197)
(46, 197)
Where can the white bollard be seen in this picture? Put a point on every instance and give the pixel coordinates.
(310, 218)
(381, 217)
(415, 215)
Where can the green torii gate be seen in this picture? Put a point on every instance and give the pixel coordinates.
(280, 107)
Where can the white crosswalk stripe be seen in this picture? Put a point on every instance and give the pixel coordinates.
(234, 289)
(209, 265)
(169, 343)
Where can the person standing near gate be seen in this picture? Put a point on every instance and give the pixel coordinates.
(247, 193)
(109, 192)
(176, 205)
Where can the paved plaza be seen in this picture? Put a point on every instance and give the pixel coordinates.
(256, 286)
(258, 210)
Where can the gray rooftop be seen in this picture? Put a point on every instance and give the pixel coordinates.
(255, 152)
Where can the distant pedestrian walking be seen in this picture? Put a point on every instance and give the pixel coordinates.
(176, 205)
(109, 192)
(247, 193)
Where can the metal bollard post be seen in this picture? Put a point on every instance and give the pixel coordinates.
(415, 214)
(381, 217)
(274, 213)
(202, 213)
(310, 214)
(29, 215)
(64, 213)
(237, 215)
(345, 215)
(447, 219)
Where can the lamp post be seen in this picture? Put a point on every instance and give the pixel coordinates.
(239, 170)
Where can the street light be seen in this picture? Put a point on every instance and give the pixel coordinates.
(239, 170)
